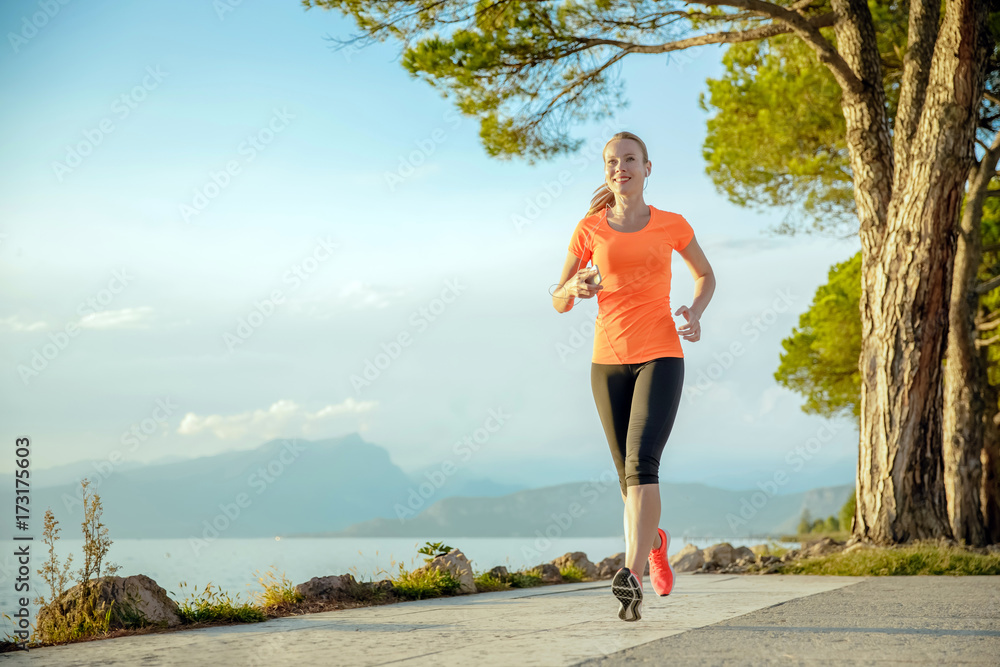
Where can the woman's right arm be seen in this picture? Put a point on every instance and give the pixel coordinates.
(572, 283)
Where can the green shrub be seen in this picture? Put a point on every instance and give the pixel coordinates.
(90, 616)
(215, 605)
(917, 558)
(571, 573)
(276, 592)
(420, 584)
(524, 580)
(486, 582)
(432, 550)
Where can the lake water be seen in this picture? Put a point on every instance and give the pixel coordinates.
(231, 563)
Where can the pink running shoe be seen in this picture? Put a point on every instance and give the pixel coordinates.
(661, 574)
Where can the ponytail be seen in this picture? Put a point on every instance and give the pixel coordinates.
(601, 200)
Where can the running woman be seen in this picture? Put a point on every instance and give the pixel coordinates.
(637, 369)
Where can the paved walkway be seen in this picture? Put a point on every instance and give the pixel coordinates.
(731, 619)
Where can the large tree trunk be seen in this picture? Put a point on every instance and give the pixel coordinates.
(905, 297)
(964, 417)
(990, 489)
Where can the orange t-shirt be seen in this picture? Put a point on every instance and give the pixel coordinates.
(634, 319)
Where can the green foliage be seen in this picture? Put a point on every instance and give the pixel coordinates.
(805, 522)
(276, 591)
(777, 89)
(433, 550)
(89, 616)
(572, 574)
(847, 511)
(215, 605)
(420, 583)
(910, 559)
(486, 582)
(820, 358)
(524, 580)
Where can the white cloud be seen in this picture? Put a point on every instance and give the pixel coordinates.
(354, 294)
(14, 323)
(283, 418)
(123, 318)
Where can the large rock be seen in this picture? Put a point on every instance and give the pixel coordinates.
(607, 568)
(821, 547)
(744, 554)
(549, 573)
(688, 559)
(580, 560)
(500, 572)
(760, 549)
(334, 587)
(134, 602)
(458, 566)
(718, 555)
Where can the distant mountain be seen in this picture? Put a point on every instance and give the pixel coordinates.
(349, 487)
(594, 509)
(279, 487)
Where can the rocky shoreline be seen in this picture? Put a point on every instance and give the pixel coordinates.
(147, 600)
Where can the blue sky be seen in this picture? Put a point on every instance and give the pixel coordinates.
(168, 172)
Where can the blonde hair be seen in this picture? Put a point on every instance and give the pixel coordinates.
(603, 197)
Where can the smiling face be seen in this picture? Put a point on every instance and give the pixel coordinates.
(624, 170)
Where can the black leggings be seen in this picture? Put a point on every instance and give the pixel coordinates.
(637, 404)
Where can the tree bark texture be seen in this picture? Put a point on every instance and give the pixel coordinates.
(907, 273)
(965, 413)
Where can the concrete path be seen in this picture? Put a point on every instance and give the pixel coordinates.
(572, 623)
(898, 620)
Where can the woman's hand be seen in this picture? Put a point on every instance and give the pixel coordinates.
(692, 330)
(577, 285)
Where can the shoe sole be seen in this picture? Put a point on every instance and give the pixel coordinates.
(626, 588)
(673, 574)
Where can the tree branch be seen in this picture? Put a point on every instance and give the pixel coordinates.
(805, 29)
(763, 32)
(988, 341)
(990, 284)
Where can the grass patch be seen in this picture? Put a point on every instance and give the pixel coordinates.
(420, 584)
(912, 559)
(524, 580)
(486, 583)
(572, 574)
(276, 592)
(215, 605)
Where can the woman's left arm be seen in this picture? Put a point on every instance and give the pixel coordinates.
(704, 287)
